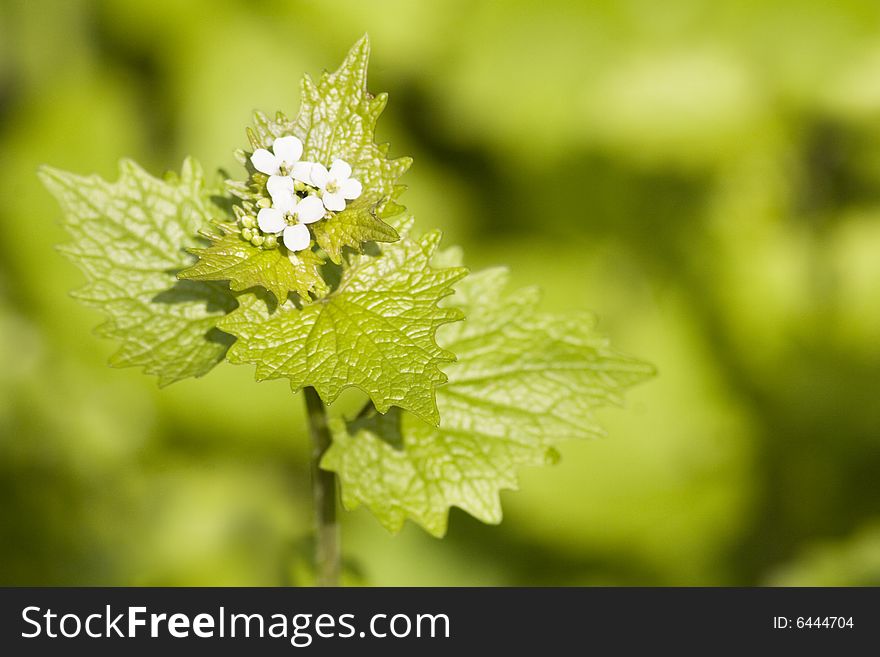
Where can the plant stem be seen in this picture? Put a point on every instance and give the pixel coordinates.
(327, 553)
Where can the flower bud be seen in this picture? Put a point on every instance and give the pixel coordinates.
(247, 233)
(257, 240)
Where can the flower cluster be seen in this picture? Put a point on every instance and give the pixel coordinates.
(299, 193)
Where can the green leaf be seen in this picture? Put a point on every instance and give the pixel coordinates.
(229, 257)
(354, 225)
(337, 119)
(129, 239)
(375, 331)
(523, 381)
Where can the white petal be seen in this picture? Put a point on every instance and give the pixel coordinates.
(309, 210)
(297, 238)
(334, 201)
(285, 202)
(271, 220)
(302, 171)
(278, 185)
(340, 170)
(350, 189)
(287, 149)
(264, 161)
(319, 175)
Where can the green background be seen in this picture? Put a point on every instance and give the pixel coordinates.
(704, 176)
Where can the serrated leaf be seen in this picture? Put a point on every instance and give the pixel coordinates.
(337, 119)
(354, 225)
(375, 331)
(129, 239)
(244, 265)
(522, 382)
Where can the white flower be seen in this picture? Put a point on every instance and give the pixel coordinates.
(285, 152)
(274, 220)
(302, 171)
(281, 163)
(279, 186)
(336, 185)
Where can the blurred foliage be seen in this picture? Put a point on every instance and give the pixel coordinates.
(704, 176)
